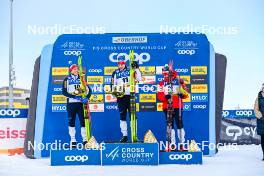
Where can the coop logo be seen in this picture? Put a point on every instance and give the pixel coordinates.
(185, 157)
(182, 70)
(78, 158)
(132, 39)
(141, 58)
(95, 70)
(9, 112)
(244, 113)
(111, 107)
(199, 106)
(225, 113)
(72, 53)
(113, 154)
(186, 52)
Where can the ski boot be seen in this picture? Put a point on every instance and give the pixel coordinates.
(182, 148)
(124, 139)
(73, 144)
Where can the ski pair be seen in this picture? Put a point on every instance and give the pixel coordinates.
(86, 110)
(133, 119)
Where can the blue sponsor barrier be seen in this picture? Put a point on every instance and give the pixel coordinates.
(130, 154)
(75, 157)
(180, 157)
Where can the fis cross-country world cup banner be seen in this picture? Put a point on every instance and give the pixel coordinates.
(193, 59)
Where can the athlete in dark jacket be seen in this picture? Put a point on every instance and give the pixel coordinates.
(71, 89)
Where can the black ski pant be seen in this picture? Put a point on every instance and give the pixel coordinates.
(74, 109)
(123, 104)
(175, 117)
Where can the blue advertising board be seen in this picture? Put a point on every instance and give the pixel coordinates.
(75, 157)
(180, 158)
(193, 57)
(130, 154)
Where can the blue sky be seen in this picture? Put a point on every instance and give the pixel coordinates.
(243, 50)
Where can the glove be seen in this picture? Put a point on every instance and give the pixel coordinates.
(85, 100)
(134, 64)
(168, 97)
(78, 98)
(180, 95)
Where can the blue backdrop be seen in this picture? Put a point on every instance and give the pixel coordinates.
(193, 58)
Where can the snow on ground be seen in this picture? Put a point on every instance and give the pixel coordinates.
(246, 161)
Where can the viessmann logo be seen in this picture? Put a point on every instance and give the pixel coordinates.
(131, 39)
(199, 70)
(95, 79)
(59, 99)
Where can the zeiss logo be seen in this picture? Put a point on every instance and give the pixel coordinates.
(244, 113)
(77, 158)
(113, 154)
(185, 157)
(141, 58)
(72, 53)
(186, 52)
(95, 70)
(112, 107)
(10, 112)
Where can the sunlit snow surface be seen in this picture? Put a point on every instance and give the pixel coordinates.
(246, 161)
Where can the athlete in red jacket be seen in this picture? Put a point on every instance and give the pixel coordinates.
(165, 92)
